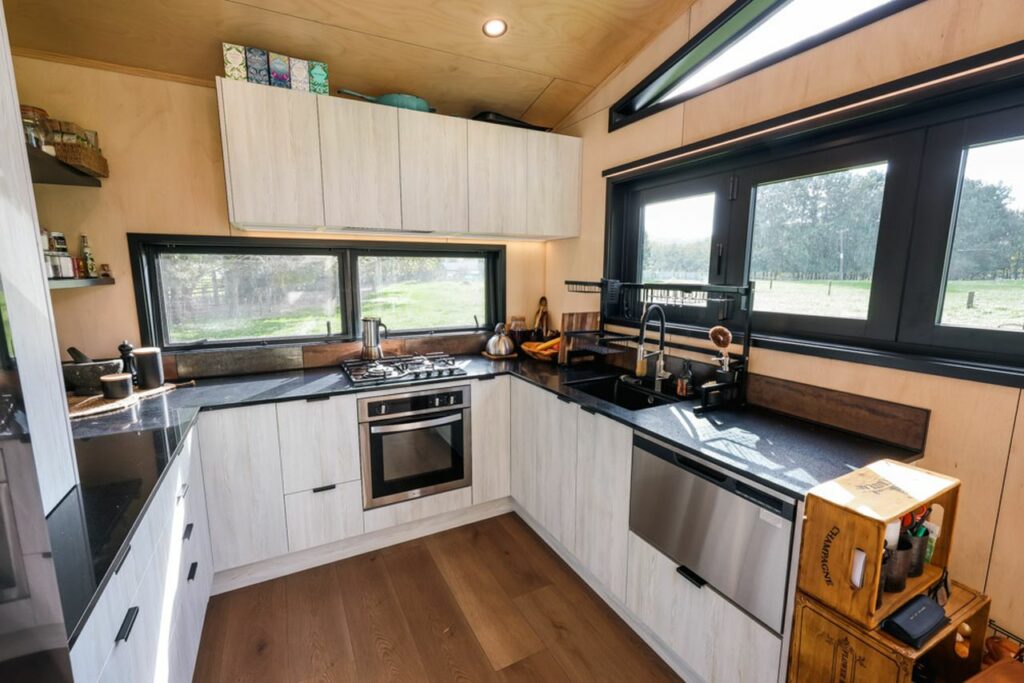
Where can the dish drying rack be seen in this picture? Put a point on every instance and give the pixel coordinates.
(626, 301)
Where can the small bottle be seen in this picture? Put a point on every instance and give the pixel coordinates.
(87, 257)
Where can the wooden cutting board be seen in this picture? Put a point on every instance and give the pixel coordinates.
(576, 322)
(87, 406)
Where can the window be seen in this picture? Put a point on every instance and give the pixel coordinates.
(983, 285)
(677, 239)
(6, 340)
(231, 297)
(894, 237)
(424, 293)
(814, 240)
(749, 35)
(195, 292)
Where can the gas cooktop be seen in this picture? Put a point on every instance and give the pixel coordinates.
(394, 369)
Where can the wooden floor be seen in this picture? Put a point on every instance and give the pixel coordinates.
(484, 602)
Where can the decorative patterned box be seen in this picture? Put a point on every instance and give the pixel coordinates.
(318, 78)
(257, 65)
(234, 62)
(300, 74)
(279, 74)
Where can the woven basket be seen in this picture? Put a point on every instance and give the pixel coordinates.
(84, 158)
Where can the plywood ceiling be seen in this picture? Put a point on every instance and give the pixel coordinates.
(554, 54)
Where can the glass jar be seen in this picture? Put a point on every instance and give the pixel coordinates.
(32, 121)
(517, 330)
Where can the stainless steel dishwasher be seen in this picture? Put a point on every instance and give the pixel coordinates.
(724, 532)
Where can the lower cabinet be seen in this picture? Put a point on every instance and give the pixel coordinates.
(709, 634)
(242, 471)
(416, 509)
(153, 633)
(544, 467)
(604, 454)
(491, 439)
(324, 515)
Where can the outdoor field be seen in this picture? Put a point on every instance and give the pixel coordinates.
(998, 304)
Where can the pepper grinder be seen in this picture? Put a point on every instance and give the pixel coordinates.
(127, 352)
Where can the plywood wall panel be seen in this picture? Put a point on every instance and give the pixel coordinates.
(1004, 575)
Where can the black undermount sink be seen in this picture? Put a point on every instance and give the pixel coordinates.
(625, 392)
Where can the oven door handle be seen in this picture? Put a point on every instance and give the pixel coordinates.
(412, 426)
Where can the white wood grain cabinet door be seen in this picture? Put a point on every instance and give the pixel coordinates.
(602, 499)
(319, 442)
(359, 154)
(497, 179)
(491, 415)
(435, 184)
(244, 493)
(271, 155)
(553, 187)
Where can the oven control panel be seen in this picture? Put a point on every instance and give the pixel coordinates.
(402, 405)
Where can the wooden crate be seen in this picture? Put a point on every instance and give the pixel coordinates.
(829, 647)
(849, 514)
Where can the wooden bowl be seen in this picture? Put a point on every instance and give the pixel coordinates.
(547, 355)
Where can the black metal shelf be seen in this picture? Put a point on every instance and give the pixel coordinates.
(48, 170)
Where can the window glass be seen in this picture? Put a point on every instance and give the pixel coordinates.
(793, 22)
(677, 239)
(424, 292)
(218, 297)
(984, 282)
(6, 341)
(813, 242)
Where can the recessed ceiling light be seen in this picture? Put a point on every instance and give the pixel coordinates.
(495, 28)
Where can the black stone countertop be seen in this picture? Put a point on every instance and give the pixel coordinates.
(784, 453)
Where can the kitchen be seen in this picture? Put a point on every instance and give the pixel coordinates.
(249, 229)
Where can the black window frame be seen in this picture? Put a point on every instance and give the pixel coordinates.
(954, 110)
(144, 248)
(625, 111)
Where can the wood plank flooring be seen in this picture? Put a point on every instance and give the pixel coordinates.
(484, 602)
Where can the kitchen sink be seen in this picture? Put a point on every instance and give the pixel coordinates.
(625, 392)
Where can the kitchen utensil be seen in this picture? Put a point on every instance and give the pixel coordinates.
(371, 339)
(149, 363)
(126, 350)
(399, 100)
(540, 320)
(84, 378)
(116, 387)
(918, 549)
(77, 356)
(500, 344)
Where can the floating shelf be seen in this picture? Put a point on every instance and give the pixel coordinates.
(80, 282)
(48, 170)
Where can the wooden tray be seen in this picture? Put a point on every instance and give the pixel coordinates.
(87, 406)
(511, 356)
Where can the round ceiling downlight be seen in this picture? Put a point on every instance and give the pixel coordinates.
(495, 28)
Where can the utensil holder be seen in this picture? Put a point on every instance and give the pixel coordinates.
(918, 549)
(897, 567)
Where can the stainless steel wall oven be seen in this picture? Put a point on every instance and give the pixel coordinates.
(414, 444)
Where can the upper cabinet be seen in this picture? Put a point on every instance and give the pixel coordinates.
(553, 187)
(271, 155)
(497, 179)
(435, 192)
(300, 161)
(359, 155)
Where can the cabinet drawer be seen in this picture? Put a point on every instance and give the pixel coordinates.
(419, 508)
(324, 515)
(319, 442)
(710, 635)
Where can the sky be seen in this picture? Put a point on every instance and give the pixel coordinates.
(689, 219)
(1000, 162)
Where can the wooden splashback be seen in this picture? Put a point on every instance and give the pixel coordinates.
(893, 423)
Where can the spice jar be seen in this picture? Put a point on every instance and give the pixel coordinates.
(32, 121)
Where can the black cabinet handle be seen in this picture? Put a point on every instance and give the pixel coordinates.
(484, 378)
(192, 570)
(120, 560)
(184, 491)
(321, 489)
(126, 624)
(563, 399)
(317, 399)
(691, 576)
(188, 531)
(588, 409)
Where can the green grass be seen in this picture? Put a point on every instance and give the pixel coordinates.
(427, 305)
(998, 304)
(294, 323)
(5, 321)
(406, 306)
